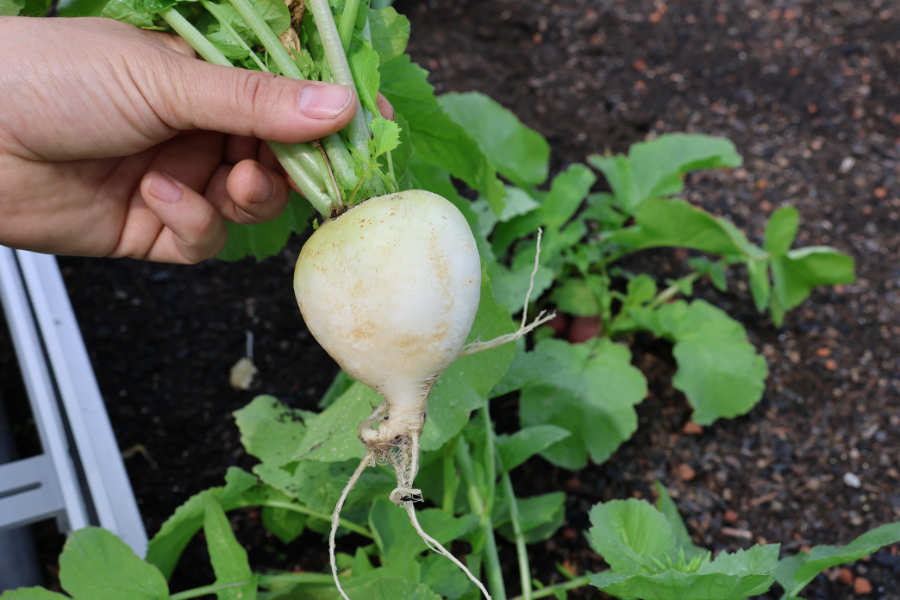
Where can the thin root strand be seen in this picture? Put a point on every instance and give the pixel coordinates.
(336, 516)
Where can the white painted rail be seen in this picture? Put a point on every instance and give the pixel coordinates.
(80, 479)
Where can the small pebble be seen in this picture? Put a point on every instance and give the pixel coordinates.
(861, 585)
(691, 428)
(852, 480)
(845, 576)
(731, 516)
(686, 472)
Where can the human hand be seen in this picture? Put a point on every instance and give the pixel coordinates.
(116, 141)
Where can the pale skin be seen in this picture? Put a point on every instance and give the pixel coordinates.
(119, 142)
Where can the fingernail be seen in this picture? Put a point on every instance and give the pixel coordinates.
(262, 187)
(164, 188)
(324, 101)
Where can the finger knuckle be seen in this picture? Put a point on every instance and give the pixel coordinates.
(253, 92)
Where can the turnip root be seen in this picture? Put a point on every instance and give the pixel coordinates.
(390, 289)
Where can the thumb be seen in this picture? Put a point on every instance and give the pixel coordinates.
(192, 94)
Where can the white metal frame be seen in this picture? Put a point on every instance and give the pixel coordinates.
(80, 479)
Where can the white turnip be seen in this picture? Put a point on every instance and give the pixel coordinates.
(390, 289)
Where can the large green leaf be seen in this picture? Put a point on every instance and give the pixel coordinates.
(629, 533)
(437, 139)
(515, 449)
(795, 572)
(267, 239)
(654, 169)
(228, 557)
(592, 395)
(133, 12)
(729, 577)
(167, 545)
(718, 369)
(520, 154)
(333, 435)
(661, 223)
(390, 33)
(466, 384)
(96, 565)
(270, 431)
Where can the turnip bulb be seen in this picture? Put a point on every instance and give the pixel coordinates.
(390, 290)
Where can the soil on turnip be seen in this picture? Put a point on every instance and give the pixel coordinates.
(810, 94)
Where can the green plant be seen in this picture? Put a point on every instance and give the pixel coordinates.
(576, 400)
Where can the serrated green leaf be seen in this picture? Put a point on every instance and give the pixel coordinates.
(666, 506)
(270, 431)
(526, 367)
(333, 435)
(592, 395)
(781, 230)
(228, 557)
(466, 384)
(520, 153)
(167, 545)
(96, 565)
(267, 239)
(729, 577)
(674, 585)
(660, 223)
(34, 593)
(718, 369)
(798, 272)
(511, 285)
(654, 169)
(795, 572)
(385, 134)
(437, 139)
(390, 33)
(364, 63)
(627, 533)
(515, 449)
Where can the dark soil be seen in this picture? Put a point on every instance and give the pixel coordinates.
(809, 92)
